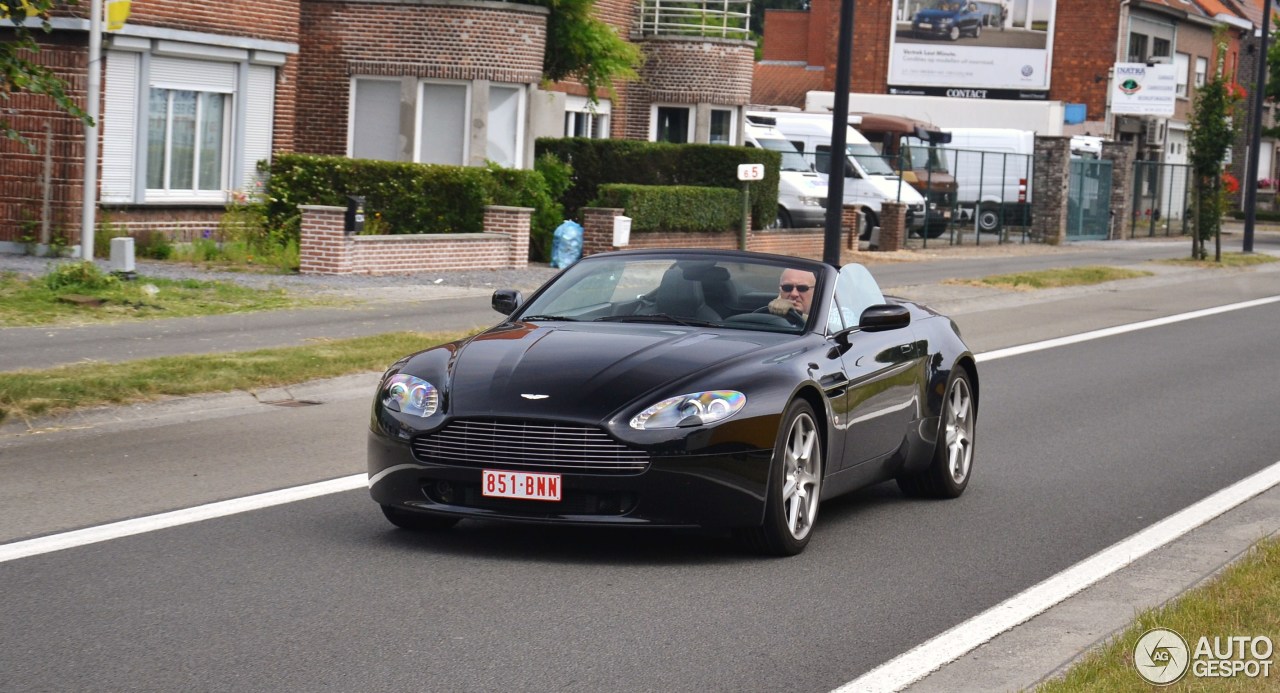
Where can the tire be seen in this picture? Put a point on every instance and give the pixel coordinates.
(977, 30)
(937, 230)
(783, 219)
(418, 522)
(948, 473)
(795, 484)
(871, 222)
(954, 33)
(989, 220)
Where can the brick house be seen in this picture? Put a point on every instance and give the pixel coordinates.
(195, 94)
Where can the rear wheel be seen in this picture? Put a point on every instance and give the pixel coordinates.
(947, 475)
(794, 485)
(989, 219)
(417, 522)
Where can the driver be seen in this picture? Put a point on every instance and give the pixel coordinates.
(795, 292)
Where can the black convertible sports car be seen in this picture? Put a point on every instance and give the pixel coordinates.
(671, 388)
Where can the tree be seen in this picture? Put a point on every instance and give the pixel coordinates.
(19, 72)
(582, 47)
(1212, 132)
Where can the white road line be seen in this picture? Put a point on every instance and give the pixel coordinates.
(1120, 329)
(150, 523)
(929, 656)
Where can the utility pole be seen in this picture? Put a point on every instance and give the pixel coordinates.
(1255, 134)
(89, 205)
(839, 138)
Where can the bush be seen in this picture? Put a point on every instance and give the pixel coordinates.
(674, 207)
(597, 162)
(1258, 215)
(413, 198)
(153, 244)
(82, 276)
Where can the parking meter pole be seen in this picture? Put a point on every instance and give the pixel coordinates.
(746, 215)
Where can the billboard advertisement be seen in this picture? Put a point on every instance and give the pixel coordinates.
(995, 49)
(1141, 89)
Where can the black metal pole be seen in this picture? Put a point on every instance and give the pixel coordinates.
(1255, 135)
(839, 140)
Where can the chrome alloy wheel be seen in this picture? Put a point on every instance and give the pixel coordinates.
(958, 429)
(802, 470)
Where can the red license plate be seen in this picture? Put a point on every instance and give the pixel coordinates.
(522, 485)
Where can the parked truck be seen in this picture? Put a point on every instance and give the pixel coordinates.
(802, 192)
(869, 181)
(921, 165)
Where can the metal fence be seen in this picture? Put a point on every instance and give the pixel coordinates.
(1161, 195)
(708, 18)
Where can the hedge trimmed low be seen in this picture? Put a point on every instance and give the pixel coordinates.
(674, 207)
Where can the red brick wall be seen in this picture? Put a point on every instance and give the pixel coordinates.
(326, 249)
(273, 20)
(689, 71)
(786, 35)
(21, 169)
(449, 40)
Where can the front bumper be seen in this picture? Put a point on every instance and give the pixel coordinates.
(724, 489)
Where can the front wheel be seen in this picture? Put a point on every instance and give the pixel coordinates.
(871, 221)
(954, 34)
(947, 475)
(989, 219)
(977, 30)
(782, 220)
(795, 483)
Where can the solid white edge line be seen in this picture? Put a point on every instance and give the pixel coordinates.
(1119, 329)
(150, 523)
(933, 654)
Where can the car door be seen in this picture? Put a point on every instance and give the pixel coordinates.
(880, 400)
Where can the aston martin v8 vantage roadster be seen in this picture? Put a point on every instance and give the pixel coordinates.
(678, 388)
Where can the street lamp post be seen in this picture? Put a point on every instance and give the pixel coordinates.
(94, 94)
(1255, 134)
(839, 138)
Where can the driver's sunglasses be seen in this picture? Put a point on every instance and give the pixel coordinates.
(788, 288)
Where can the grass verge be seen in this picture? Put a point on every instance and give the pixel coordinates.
(40, 301)
(1244, 600)
(1053, 278)
(1228, 260)
(25, 394)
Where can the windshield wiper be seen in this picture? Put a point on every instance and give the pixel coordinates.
(657, 317)
(548, 318)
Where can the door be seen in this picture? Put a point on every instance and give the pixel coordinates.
(1089, 200)
(879, 403)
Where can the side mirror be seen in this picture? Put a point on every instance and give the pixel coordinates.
(506, 301)
(886, 316)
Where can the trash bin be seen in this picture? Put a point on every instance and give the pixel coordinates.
(566, 244)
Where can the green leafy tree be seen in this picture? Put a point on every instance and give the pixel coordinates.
(582, 47)
(1212, 132)
(19, 71)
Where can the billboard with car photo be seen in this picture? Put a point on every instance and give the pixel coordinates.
(968, 47)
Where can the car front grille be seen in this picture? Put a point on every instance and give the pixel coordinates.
(534, 446)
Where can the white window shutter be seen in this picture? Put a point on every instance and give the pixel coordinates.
(119, 126)
(196, 75)
(259, 118)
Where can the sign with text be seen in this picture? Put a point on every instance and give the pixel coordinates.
(1141, 89)
(1001, 49)
(750, 171)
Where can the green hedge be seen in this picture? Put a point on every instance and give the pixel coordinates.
(674, 207)
(1258, 215)
(597, 162)
(407, 198)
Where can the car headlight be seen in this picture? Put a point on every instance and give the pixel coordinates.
(693, 409)
(811, 201)
(410, 395)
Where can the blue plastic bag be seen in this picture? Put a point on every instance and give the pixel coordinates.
(566, 244)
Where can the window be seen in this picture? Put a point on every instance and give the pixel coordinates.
(1202, 67)
(1137, 48)
(506, 108)
(1181, 64)
(186, 140)
(375, 119)
(672, 124)
(585, 119)
(1160, 48)
(443, 123)
(722, 126)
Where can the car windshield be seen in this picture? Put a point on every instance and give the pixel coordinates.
(870, 159)
(792, 159)
(946, 6)
(690, 290)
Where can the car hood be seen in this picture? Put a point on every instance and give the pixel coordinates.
(935, 15)
(586, 371)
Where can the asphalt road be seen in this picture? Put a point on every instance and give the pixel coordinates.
(1078, 447)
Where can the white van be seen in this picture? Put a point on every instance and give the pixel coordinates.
(992, 168)
(869, 180)
(802, 193)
